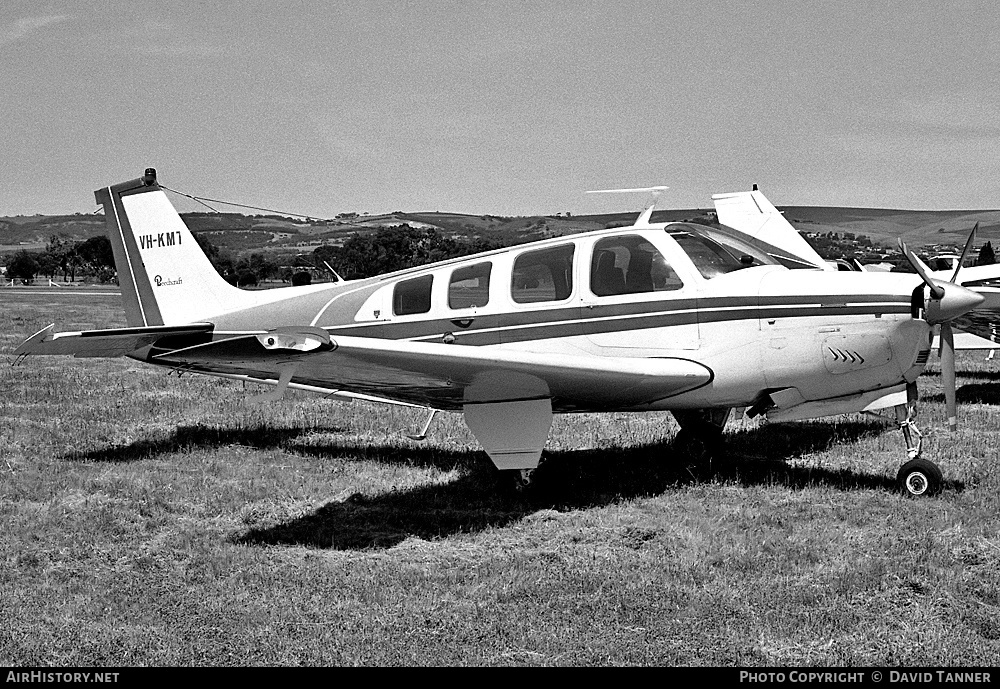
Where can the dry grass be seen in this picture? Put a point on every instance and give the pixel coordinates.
(151, 520)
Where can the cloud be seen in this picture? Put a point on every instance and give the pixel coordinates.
(27, 25)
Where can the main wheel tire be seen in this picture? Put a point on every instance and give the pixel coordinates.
(522, 480)
(699, 447)
(920, 477)
(700, 435)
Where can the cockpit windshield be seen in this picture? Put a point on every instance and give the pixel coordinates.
(714, 253)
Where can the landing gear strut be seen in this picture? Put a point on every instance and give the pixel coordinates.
(918, 476)
(700, 437)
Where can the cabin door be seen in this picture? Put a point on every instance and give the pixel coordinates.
(634, 301)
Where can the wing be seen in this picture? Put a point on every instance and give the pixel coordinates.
(974, 330)
(507, 396)
(443, 376)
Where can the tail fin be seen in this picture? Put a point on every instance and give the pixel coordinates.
(751, 213)
(165, 277)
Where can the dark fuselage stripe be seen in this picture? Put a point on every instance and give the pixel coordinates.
(567, 322)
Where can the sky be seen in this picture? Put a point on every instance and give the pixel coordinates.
(500, 106)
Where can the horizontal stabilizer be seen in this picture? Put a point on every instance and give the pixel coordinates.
(104, 343)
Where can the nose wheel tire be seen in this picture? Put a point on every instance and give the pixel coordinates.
(920, 477)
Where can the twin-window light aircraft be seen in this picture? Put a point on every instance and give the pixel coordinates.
(687, 318)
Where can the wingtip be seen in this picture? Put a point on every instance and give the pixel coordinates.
(28, 346)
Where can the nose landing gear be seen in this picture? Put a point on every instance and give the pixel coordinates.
(918, 476)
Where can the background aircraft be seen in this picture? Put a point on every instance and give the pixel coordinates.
(683, 317)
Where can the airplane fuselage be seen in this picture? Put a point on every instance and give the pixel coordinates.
(810, 334)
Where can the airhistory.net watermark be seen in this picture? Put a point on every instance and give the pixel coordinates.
(61, 677)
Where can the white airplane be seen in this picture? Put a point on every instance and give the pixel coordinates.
(752, 213)
(683, 317)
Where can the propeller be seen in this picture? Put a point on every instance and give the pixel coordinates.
(947, 301)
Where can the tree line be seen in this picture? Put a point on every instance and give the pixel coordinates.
(396, 248)
(61, 257)
(361, 255)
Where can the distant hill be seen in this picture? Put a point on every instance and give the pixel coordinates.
(279, 234)
(917, 228)
(33, 231)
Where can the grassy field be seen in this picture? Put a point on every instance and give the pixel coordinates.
(156, 520)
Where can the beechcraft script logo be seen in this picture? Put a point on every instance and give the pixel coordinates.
(160, 240)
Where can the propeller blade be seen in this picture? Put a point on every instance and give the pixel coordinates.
(937, 291)
(965, 252)
(948, 374)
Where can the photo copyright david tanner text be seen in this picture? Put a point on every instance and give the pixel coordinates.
(890, 676)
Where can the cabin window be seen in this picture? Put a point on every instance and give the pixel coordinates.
(712, 258)
(543, 275)
(469, 287)
(412, 296)
(629, 264)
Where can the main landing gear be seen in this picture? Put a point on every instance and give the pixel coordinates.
(700, 436)
(918, 476)
(527, 484)
(522, 480)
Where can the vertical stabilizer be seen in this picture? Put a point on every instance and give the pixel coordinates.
(165, 277)
(751, 213)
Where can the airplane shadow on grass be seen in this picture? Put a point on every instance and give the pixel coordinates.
(970, 374)
(482, 498)
(197, 436)
(970, 393)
